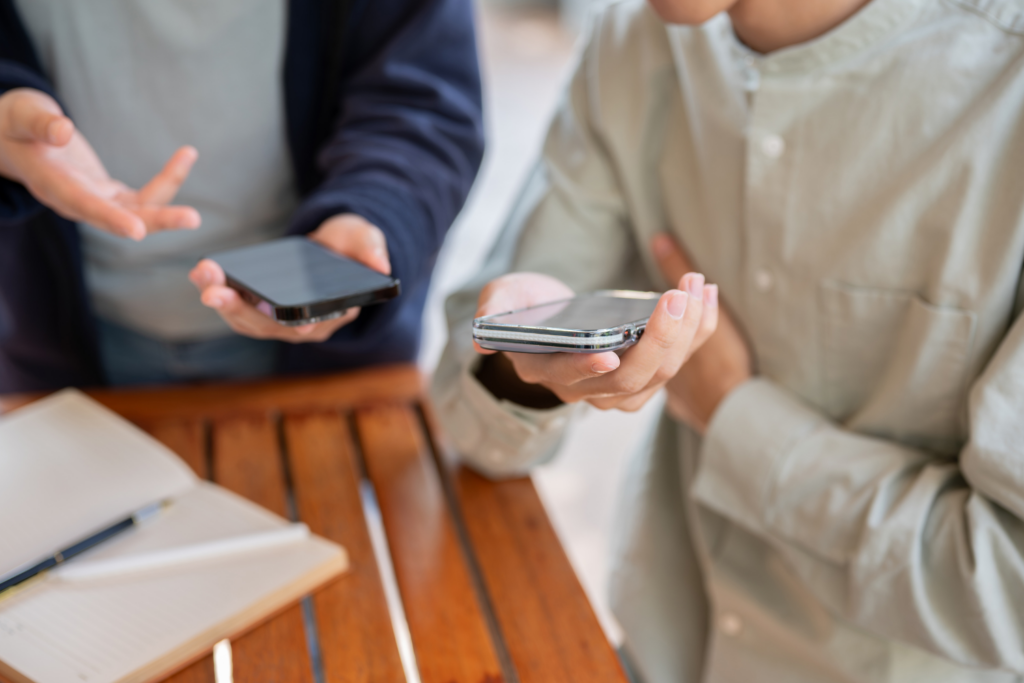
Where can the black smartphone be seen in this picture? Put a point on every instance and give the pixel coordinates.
(296, 281)
(606, 320)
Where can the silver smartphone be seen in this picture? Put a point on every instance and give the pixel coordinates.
(607, 320)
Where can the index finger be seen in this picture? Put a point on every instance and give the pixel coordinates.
(562, 369)
(165, 184)
(98, 211)
(660, 351)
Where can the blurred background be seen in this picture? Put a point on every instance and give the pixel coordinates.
(527, 50)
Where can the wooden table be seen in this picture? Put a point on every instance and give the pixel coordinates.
(487, 590)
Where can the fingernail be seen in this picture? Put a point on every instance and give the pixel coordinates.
(601, 368)
(216, 302)
(695, 286)
(677, 304)
(711, 295)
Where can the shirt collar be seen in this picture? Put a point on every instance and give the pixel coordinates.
(871, 24)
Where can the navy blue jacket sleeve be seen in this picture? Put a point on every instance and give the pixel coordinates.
(19, 68)
(408, 138)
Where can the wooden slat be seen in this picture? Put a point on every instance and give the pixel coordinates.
(550, 630)
(199, 672)
(247, 460)
(448, 627)
(357, 640)
(213, 401)
(186, 438)
(548, 625)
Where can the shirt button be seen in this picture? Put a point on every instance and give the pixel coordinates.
(763, 280)
(731, 624)
(772, 146)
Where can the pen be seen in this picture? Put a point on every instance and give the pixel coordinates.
(95, 539)
(232, 546)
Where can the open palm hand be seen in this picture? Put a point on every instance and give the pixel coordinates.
(41, 149)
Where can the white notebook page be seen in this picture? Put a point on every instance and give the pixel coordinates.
(103, 631)
(68, 468)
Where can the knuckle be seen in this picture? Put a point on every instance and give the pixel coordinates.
(563, 395)
(631, 384)
(631, 406)
(663, 375)
(601, 403)
(323, 335)
(527, 374)
(663, 342)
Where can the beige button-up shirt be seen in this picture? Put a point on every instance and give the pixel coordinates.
(856, 513)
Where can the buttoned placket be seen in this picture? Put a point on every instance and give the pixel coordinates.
(765, 187)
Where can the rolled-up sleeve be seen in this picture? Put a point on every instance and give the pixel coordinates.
(499, 438)
(899, 541)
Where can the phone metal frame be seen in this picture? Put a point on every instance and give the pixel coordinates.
(540, 339)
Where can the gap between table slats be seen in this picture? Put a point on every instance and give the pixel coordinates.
(449, 631)
(546, 620)
(247, 460)
(356, 637)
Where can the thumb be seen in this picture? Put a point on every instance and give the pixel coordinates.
(36, 117)
(671, 260)
(207, 273)
(356, 238)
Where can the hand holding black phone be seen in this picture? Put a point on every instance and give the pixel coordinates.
(296, 281)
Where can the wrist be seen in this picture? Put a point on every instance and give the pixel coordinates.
(721, 391)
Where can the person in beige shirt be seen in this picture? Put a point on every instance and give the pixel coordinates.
(837, 492)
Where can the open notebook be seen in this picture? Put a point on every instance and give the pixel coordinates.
(69, 467)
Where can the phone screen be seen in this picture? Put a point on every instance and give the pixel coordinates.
(294, 271)
(584, 312)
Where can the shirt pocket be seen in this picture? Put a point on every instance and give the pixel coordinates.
(894, 365)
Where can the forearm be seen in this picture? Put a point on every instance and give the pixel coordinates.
(407, 141)
(889, 537)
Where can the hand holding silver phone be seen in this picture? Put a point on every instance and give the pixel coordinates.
(605, 320)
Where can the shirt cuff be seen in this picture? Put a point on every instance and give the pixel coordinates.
(750, 437)
(497, 437)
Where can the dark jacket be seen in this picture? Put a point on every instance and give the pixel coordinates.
(384, 120)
